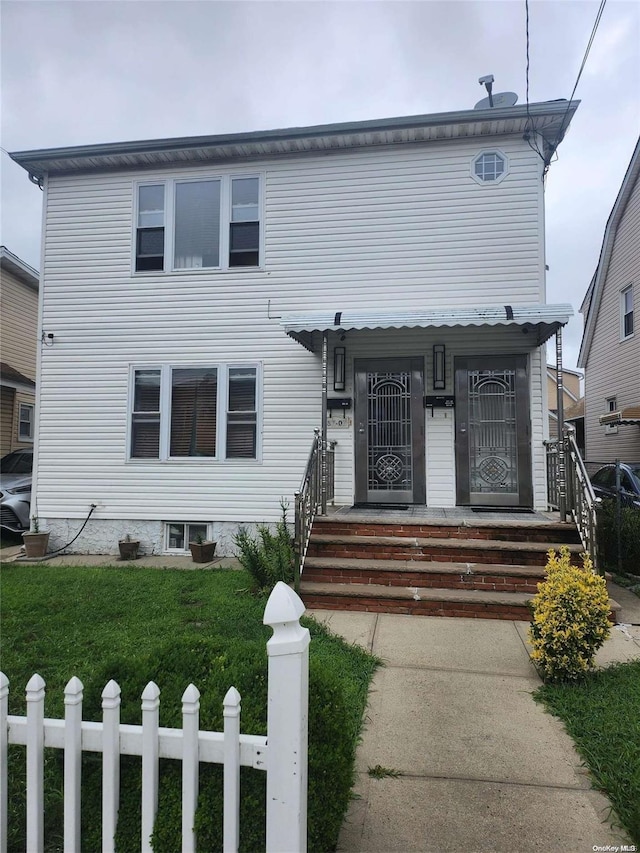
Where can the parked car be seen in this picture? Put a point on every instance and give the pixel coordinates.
(15, 490)
(604, 483)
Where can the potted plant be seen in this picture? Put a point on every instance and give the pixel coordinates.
(202, 550)
(129, 548)
(36, 541)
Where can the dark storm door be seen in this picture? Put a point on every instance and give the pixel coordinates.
(389, 431)
(493, 432)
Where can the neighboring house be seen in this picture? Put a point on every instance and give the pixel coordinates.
(18, 344)
(570, 397)
(610, 351)
(202, 291)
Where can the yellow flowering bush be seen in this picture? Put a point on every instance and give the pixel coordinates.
(570, 618)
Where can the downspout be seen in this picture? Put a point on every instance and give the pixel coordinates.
(562, 472)
(323, 430)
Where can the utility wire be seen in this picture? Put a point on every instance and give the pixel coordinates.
(603, 3)
(529, 126)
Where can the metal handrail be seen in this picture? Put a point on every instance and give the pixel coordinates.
(309, 498)
(581, 501)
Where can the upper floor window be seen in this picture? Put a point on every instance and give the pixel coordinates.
(209, 223)
(25, 422)
(490, 166)
(626, 312)
(208, 411)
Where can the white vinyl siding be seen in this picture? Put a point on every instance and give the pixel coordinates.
(384, 227)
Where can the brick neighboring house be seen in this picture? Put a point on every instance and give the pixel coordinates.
(18, 345)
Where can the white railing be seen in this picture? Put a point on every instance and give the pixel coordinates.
(284, 758)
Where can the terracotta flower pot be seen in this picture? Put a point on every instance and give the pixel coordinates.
(202, 552)
(36, 544)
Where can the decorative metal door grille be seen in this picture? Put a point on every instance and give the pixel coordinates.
(389, 457)
(493, 451)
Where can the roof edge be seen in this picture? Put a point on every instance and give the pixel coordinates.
(19, 268)
(545, 108)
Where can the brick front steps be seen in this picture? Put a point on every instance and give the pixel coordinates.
(486, 569)
(418, 602)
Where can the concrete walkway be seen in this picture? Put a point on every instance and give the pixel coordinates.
(483, 767)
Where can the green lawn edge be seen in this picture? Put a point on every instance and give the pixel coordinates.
(129, 623)
(602, 715)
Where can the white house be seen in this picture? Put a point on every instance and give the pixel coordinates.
(196, 292)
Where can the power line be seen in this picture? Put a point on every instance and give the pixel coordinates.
(584, 61)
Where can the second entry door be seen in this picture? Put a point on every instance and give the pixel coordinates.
(389, 431)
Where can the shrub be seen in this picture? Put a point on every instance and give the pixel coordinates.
(629, 537)
(269, 557)
(570, 619)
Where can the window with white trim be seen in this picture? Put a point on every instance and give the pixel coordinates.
(25, 421)
(200, 223)
(626, 312)
(612, 406)
(489, 166)
(194, 412)
(178, 534)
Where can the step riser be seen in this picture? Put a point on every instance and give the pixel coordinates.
(437, 580)
(501, 534)
(512, 612)
(445, 554)
(418, 608)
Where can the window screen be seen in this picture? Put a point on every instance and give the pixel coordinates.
(197, 227)
(145, 424)
(241, 414)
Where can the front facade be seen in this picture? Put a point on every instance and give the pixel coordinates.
(205, 296)
(610, 351)
(18, 344)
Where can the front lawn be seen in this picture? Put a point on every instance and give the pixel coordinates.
(602, 715)
(173, 627)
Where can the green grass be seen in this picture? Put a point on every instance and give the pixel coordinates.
(602, 715)
(136, 625)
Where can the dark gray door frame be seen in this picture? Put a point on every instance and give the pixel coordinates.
(465, 496)
(414, 366)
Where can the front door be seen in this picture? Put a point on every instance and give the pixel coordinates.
(493, 432)
(389, 431)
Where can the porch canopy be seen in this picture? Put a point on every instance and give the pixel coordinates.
(539, 322)
(630, 415)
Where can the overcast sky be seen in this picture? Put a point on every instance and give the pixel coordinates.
(84, 72)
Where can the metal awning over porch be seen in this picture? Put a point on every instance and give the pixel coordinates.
(539, 321)
(628, 416)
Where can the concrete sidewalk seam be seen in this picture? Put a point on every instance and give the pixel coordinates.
(425, 668)
(511, 782)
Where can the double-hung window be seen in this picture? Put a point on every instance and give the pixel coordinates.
(626, 312)
(201, 223)
(194, 412)
(25, 422)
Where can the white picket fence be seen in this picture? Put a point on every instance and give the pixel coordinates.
(282, 753)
